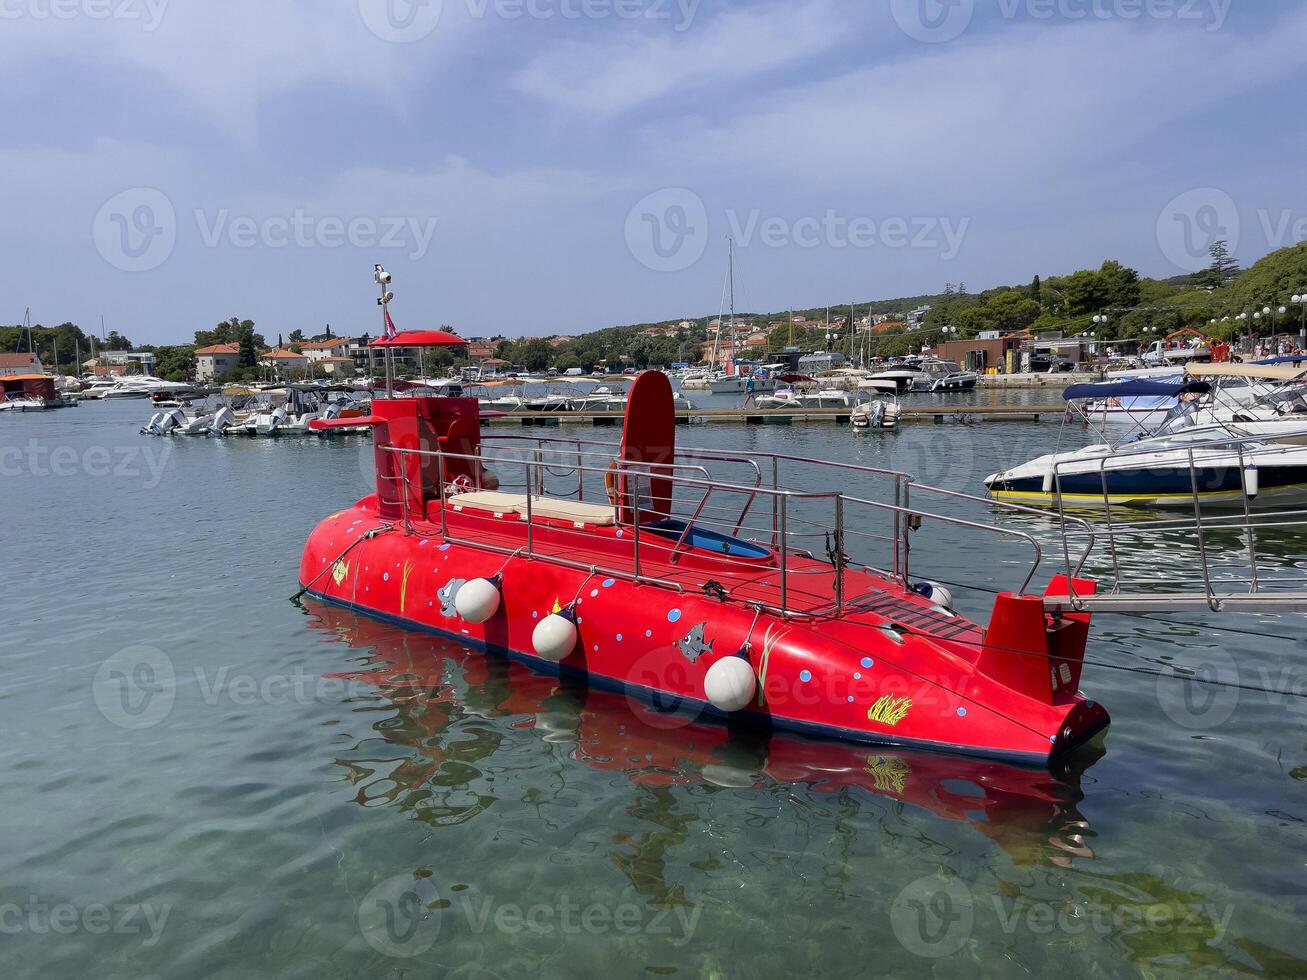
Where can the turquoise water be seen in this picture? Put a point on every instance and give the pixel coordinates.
(198, 777)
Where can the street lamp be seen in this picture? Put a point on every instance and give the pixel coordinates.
(1301, 300)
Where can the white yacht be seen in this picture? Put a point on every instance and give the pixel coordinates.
(813, 398)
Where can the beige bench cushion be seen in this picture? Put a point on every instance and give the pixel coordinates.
(491, 500)
(598, 515)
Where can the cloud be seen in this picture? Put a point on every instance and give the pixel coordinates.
(1002, 112)
(626, 68)
(222, 59)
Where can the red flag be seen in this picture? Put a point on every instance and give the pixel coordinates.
(390, 324)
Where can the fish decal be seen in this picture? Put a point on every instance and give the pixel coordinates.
(339, 571)
(446, 597)
(693, 645)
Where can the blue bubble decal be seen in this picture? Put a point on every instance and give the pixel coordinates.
(609, 583)
(674, 616)
(962, 712)
(805, 675)
(868, 662)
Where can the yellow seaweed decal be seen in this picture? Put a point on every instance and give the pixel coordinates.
(339, 571)
(889, 771)
(889, 710)
(403, 585)
(557, 607)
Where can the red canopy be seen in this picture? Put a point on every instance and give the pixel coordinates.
(421, 338)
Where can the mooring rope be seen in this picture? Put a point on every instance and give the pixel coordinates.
(375, 532)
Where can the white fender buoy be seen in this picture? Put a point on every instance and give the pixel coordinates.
(1251, 481)
(477, 600)
(936, 593)
(554, 637)
(1048, 481)
(730, 684)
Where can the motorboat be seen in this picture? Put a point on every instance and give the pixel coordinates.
(556, 398)
(1184, 467)
(878, 413)
(142, 386)
(939, 375)
(604, 398)
(1235, 385)
(902, 376)
(792, 397)
(738, 384)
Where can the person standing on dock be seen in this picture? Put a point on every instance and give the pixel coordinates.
(748, 392)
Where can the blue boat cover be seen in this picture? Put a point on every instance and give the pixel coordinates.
(1126, 389)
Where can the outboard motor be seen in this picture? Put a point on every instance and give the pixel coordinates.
(876, 414)
(151, 428)
(223, 419)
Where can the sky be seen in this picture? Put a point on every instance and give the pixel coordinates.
(536, 167)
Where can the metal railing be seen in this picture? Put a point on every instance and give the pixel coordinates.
(1225, 578)
(794, 523)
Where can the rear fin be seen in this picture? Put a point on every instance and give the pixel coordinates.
(1033, 653)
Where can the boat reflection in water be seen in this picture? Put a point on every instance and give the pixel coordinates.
(433, 684)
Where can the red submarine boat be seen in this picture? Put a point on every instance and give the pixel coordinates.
(687, 579)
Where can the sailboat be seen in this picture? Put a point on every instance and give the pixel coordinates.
(735, 383)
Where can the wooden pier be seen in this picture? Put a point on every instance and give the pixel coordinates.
(939, 415)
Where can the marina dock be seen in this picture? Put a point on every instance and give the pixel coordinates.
(937, 414)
